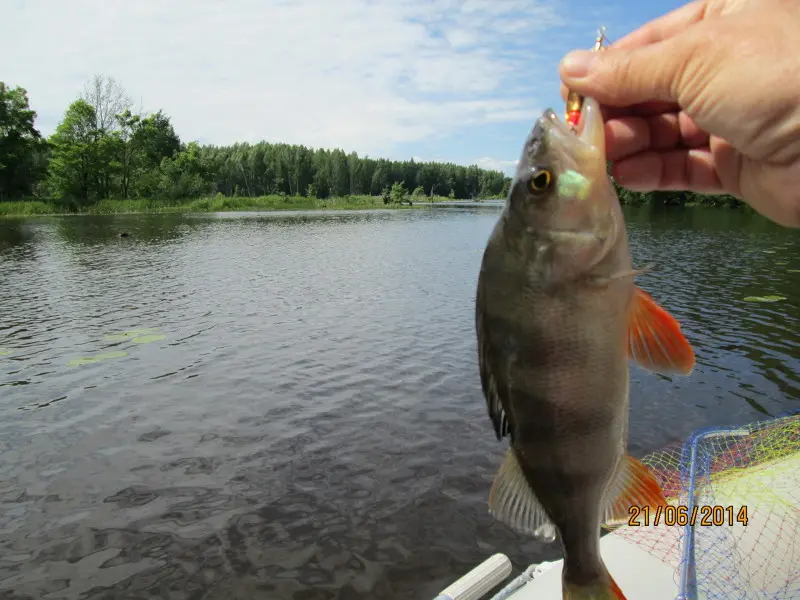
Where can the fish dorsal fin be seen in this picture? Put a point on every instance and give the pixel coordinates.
(511, 501)
(655, 340)
(633, 485)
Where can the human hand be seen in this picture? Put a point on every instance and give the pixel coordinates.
(705, 98)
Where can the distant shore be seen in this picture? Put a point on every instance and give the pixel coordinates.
(275, 202)
(211, 204)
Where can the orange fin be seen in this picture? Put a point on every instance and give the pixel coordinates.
(633, 486)
(655, 340)
(596, 591)
(615, 591)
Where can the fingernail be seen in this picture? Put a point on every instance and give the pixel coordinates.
(577, 63)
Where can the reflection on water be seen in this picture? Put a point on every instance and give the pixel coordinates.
(310, 425)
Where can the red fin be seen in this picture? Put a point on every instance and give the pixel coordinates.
(655, 340)
(596, 591)
(633, 486)
(617, 593)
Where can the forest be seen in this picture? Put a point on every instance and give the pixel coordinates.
(103, 151)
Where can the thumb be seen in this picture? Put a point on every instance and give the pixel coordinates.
(672, 70)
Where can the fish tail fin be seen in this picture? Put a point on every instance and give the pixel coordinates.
(604, 588)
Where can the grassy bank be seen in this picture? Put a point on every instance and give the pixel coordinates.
(213, 204)
(220, 203)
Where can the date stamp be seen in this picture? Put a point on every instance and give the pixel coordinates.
(704, 516)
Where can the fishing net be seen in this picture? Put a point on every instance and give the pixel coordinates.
(745, 483)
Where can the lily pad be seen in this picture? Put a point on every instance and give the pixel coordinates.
(146, 339)
(764, 298)
(768, 251)
(117, 337)
(5, 351)
(129, 335)
(87, 360)
(781, 262)
(793, 270)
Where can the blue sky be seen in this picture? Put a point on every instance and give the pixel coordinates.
(459, 81)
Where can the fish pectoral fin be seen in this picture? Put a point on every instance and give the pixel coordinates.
(655, 340)
(511, 501)
(632, 486)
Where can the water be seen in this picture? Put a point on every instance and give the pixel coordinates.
(311, 425)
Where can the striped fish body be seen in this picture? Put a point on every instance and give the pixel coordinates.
(558, 318)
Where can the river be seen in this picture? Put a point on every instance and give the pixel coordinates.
(247, 406)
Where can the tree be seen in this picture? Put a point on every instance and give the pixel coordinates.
(21, 146)
(141, 144)
(75, 161)
(156, 139)
(185, 175)
(398, 195)
(129, 125)
(108, 98)
(340, 178)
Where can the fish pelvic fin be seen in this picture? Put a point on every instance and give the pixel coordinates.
(600, 590)
(511, 501)
(632, 488)
(655, 340)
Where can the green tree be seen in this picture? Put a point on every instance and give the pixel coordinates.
(398, 194)
(156, 140)
(108, 99)
(75, 161)
(141, 144)
(22, 151)
(185, 175)
(127, 151)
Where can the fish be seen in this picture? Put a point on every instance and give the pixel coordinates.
(559, 319)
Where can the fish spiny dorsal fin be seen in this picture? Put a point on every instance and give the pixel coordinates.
(655, 340)
(633, 485)
(511, 501)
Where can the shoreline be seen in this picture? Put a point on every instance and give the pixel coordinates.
(43, 208)
(274, 203)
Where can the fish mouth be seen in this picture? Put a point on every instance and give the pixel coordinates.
(585, 134)
(550, 117)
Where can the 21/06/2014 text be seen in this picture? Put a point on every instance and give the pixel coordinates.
(679, 515)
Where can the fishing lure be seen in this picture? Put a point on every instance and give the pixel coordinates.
(575, 100)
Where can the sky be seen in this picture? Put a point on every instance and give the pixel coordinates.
(448, 80)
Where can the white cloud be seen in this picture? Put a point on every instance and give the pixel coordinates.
(485, 162)
(507, 166)
(362, 75)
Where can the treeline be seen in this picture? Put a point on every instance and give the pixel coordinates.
(102, 149)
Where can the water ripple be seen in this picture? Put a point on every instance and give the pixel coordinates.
(311, 424)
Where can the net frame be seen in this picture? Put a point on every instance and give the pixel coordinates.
(756, 466)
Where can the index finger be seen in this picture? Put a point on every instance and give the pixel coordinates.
(645, 109)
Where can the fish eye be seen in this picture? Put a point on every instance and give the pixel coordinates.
(540, 182)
